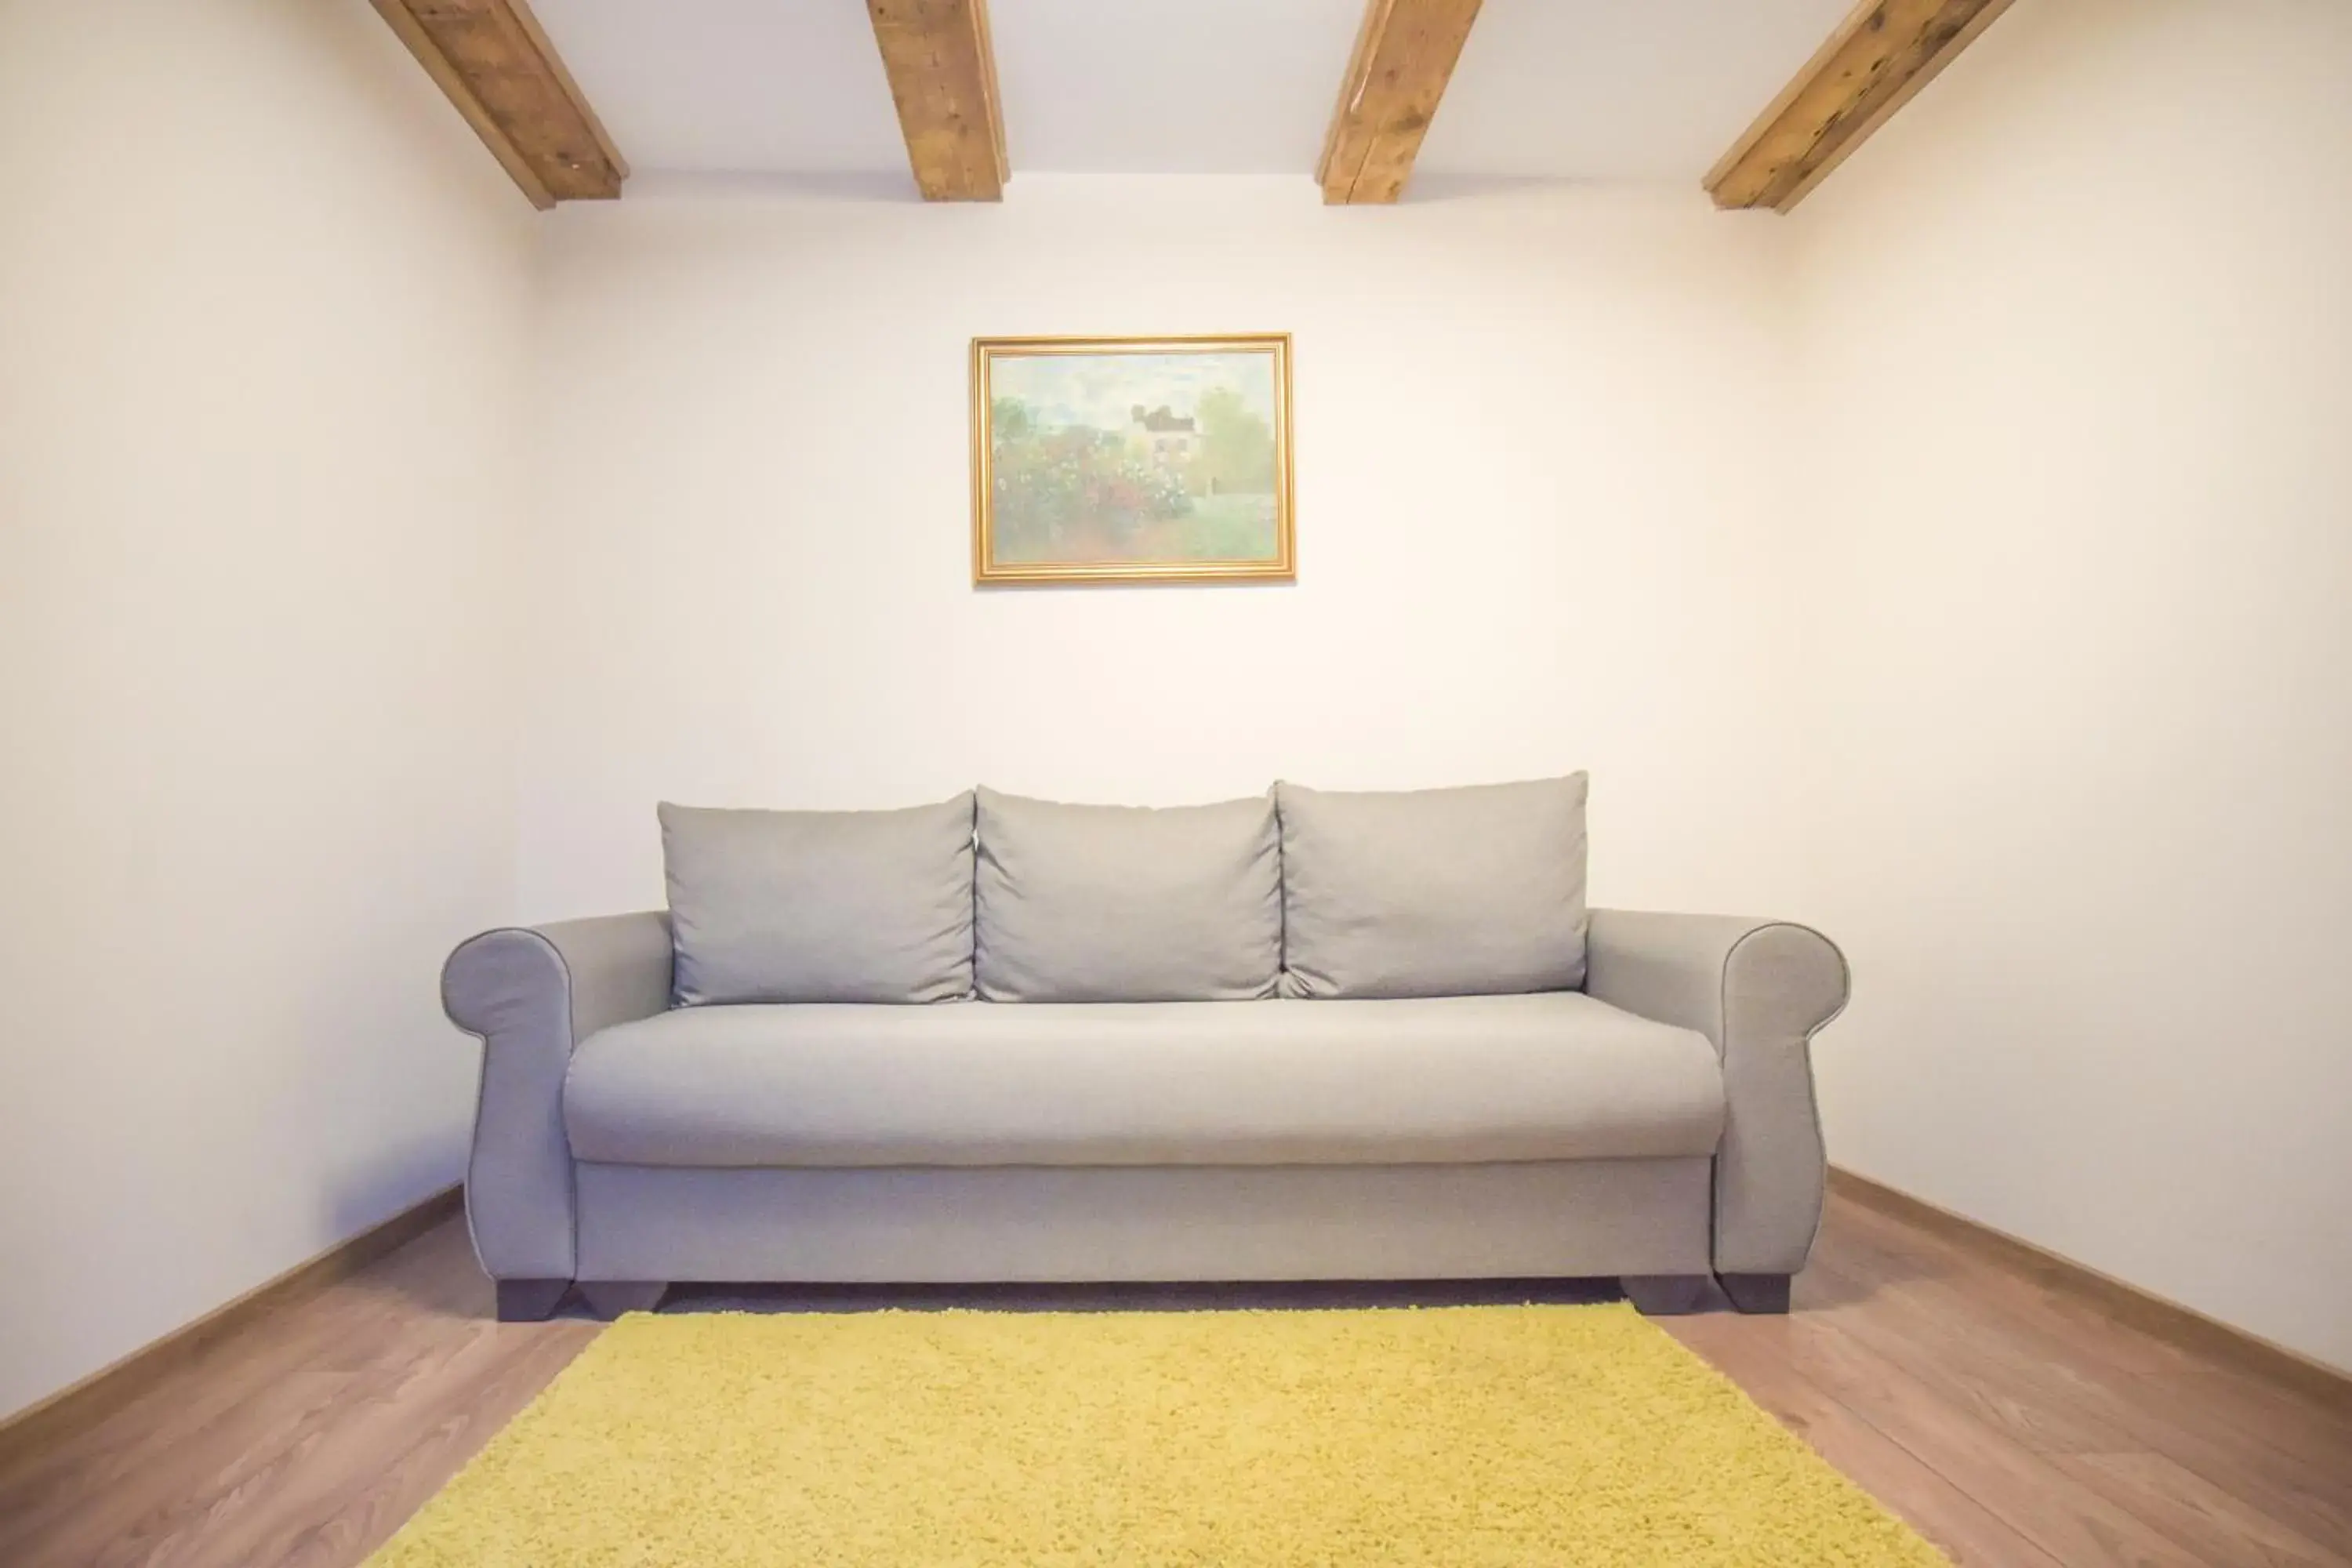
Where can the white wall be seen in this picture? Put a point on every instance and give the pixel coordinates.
(2080, 529)
(1529, 426)
(263, 332)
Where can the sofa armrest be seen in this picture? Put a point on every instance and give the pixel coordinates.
(532, 995)
(1758, 990)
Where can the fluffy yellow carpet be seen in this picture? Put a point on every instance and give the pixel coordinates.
(1471, 1438)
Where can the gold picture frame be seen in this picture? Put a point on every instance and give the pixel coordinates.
(1132, 460)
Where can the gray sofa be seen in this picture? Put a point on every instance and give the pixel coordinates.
(1310, 1035)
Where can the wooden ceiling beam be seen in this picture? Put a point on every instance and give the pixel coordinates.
(497, 68)
(943, 73)
(1404, 56)
(1882, 52)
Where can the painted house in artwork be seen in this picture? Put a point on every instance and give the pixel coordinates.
(1166, 438)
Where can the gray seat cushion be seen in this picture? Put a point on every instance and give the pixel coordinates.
(1439, 892)
(1556, 1076)
(1124, 903)
(820, 906)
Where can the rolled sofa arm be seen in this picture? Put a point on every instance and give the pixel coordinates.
(1758, 990)
(532, 995)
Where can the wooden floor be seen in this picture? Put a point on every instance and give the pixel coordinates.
(2010, 1420)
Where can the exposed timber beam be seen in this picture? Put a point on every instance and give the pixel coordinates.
(942, 74)
(1884, 51)
(497, 68)
(1404, 56)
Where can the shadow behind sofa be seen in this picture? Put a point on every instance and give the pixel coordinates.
(1309, 1035)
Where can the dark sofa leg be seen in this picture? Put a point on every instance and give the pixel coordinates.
(608, 1298)
(1664, 1295)
(1756, 1292)
(529, 1300)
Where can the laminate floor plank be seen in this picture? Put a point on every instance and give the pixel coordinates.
(2045, 1405)
(363, 1479)
(314, 1373)
(2218, 1526)
(2003, 1297)
(2103, 1388)
(2117, 1498)
(287, 1474)
(2008, 1416)
(1968, 1532)
(1952, 1436)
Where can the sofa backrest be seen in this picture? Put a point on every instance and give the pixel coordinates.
(820, 906)
(1126, 903)
(1302, 893)
(1434, 892)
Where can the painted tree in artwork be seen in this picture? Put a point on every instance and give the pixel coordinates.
(1009, 419)
(1236, 455)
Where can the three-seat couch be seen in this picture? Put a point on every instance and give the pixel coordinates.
(1307, 1036)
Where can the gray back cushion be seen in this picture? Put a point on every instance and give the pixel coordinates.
(1442, 892)
(1122, 903)
(820, 906)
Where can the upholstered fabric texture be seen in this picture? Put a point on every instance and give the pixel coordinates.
(1520, 1219)
(1557, 1076)
(1117, 903)
(820, 906)
(1443, 892)
(532, 995)
(1489, 1078)
(1466, 1437)
(1758, 990)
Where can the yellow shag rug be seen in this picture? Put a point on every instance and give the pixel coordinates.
(1466, 1437)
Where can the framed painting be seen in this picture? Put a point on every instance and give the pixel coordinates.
(1132, 460)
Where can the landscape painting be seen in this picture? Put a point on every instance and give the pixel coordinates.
(1132, 460)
